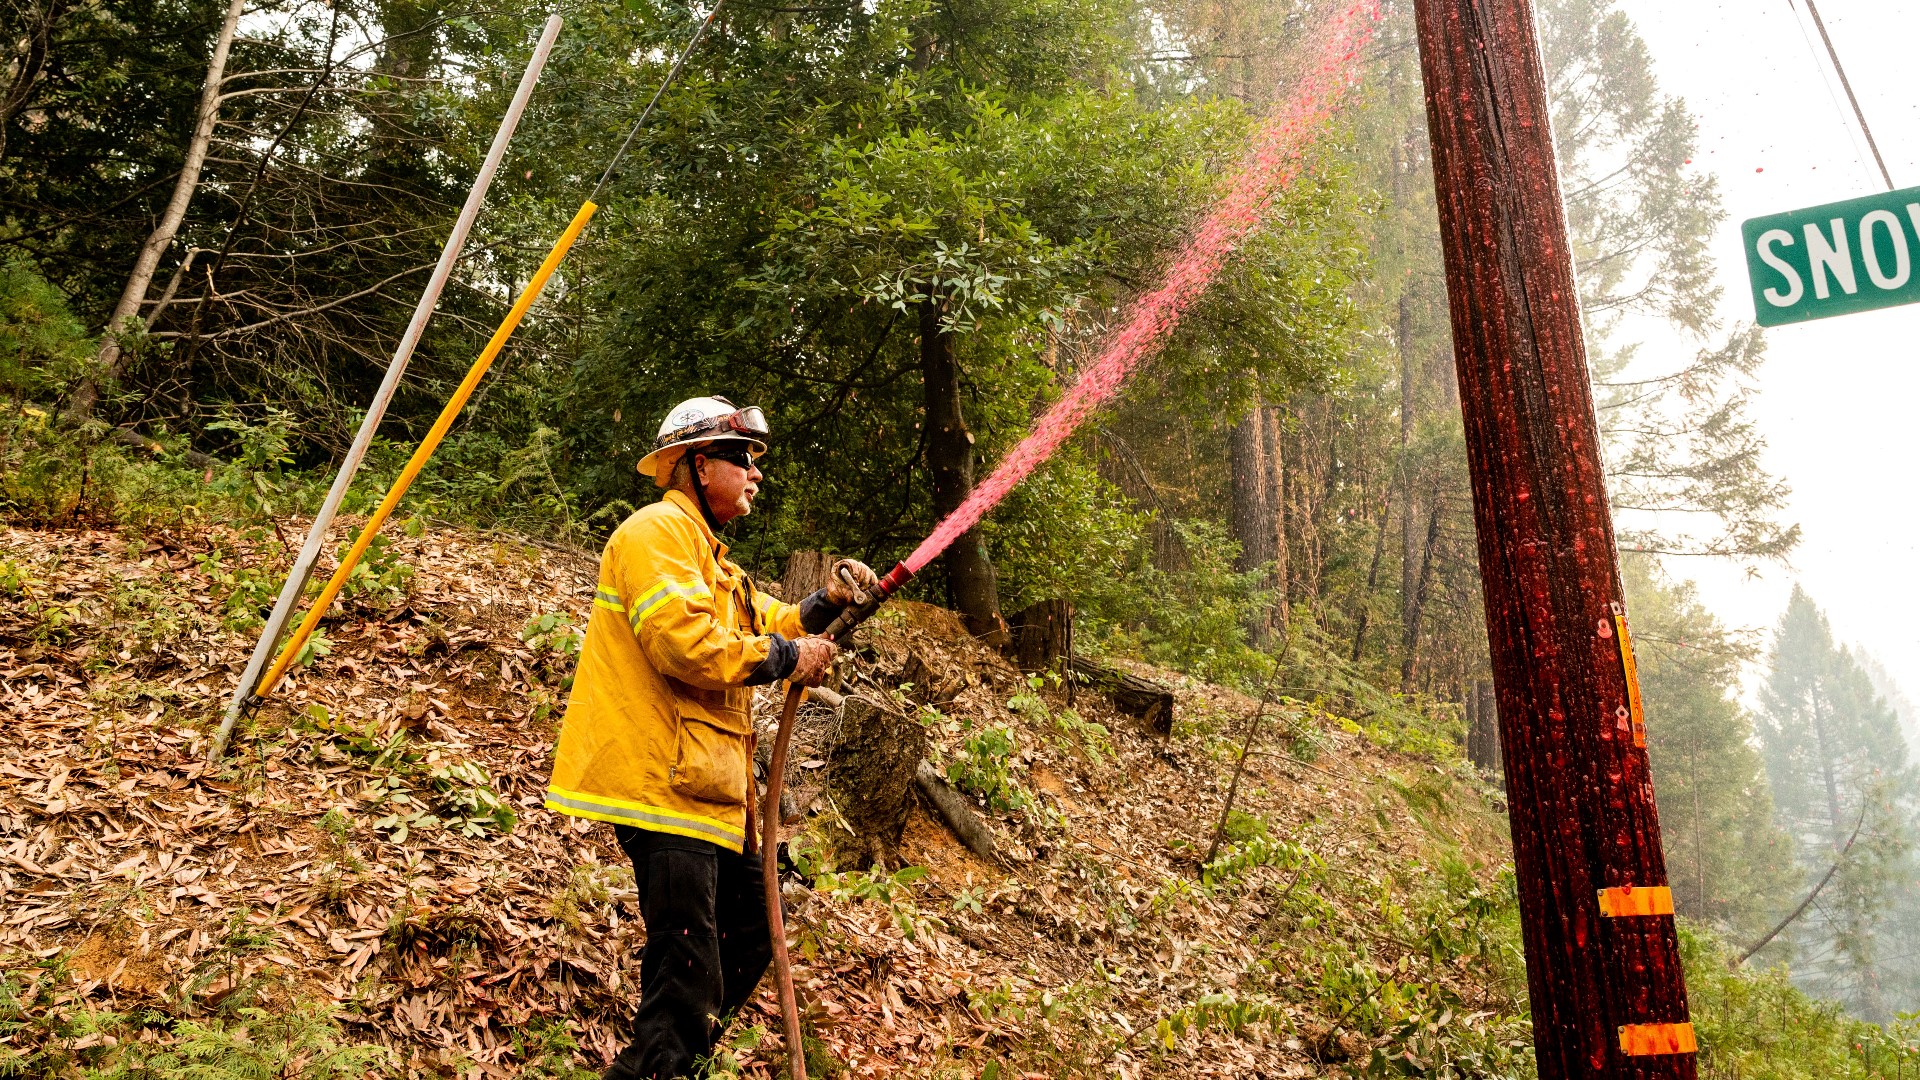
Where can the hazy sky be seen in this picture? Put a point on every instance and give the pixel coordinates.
(1838, 397)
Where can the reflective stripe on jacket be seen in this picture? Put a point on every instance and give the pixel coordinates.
(657, 731)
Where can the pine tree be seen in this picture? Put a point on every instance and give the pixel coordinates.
(1684, 467)
(1727, 860)
(1896, 699)
(1844, 791)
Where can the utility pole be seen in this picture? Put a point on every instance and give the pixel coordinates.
(1603, 959)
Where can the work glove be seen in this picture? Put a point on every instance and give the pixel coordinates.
(814, 663)
(837, 592)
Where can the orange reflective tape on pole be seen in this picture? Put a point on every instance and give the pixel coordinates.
(1628, 900)
(1635, 715)
(1649, 1040)
(426, 448)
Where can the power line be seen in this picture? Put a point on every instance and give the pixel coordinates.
(1827, 81)
(672, 72)
(1832, 54)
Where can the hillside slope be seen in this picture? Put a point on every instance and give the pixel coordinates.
(369, 885)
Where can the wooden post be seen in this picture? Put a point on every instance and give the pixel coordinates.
(1603, 960)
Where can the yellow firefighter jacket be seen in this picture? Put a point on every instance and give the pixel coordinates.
(657, 732)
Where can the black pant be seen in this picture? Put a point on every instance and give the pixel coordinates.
(707, 946)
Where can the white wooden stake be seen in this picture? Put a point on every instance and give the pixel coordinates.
(323, 521)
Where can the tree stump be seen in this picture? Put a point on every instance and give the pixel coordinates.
(1042, 635)
(871, 767)
(932, 685)
(806, 571)
(1144, 700)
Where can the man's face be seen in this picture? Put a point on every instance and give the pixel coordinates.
(730, 487)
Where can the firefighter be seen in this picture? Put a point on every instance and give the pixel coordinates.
(658, 737)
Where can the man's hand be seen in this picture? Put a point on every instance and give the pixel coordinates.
(837, 592)
(816, 660)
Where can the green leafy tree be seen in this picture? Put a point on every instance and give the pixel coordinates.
(902, 230)
(344, 137)
(97, 132)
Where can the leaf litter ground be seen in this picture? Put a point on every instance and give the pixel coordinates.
(352, 852)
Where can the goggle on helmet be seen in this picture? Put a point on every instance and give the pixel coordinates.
(748, 423)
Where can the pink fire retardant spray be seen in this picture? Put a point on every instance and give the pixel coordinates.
(1273, 163)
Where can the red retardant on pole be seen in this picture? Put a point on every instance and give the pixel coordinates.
(1603, 960)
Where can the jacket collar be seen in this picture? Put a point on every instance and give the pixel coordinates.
(685, 504)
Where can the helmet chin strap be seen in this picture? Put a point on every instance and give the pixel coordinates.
(700, 493)
(706, 511)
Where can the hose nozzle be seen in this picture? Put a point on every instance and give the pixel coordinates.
(896, 577)
(855, 614)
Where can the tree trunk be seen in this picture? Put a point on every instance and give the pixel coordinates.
(1252, 514)
(1470, 716)
(1839, 859)
(1699, 827)
(1409, 512)
(1422, 588)
(1252, 491)
(1331, 474)
(1603, 957)
(1277, 499)
(110, 358)
(1403, 343)
(952, 808)
(806, 572)
(950, 459)
(1307, 486)
(188, 350)
(1483, 729)
(1373, 575)
(1829, 768)
(933, 684)
(1148, 702)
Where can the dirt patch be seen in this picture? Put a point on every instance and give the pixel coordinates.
(936, 622)
(117, 964)
(926, 842)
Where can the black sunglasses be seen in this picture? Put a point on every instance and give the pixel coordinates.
(739, 455)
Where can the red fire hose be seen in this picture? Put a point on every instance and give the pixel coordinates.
(855, 613)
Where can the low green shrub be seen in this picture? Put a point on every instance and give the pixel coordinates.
(1193, 619)
(984, 766)
(1071, 733)
(1756, 1025)
(44, 1032)
(380, 578)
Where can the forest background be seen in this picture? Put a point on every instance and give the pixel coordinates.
(899, 226)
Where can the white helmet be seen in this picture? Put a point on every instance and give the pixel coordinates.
(699, 421)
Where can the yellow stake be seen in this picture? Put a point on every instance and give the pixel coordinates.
(426, 448)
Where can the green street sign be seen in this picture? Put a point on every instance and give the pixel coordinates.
(1835, 259)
